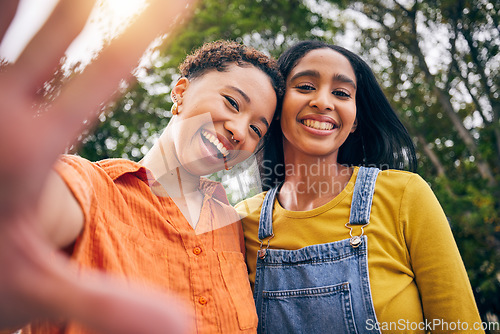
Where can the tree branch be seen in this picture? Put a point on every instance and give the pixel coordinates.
(465, 30)
(444, 99)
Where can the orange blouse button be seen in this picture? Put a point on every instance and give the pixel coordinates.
(197, 251)
(202, 300)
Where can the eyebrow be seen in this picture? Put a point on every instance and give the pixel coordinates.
(264, 120)
(242, 93)
(312, 73)
(306, 73)
(345, 79)
(247, 99)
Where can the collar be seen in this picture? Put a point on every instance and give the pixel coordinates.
(117, 168)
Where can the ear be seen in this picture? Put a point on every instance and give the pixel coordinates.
(179, 90)
(354, 126)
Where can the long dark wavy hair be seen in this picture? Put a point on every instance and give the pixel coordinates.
(380, 139)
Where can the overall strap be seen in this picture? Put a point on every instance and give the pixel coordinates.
(363, 195)
(266, 214)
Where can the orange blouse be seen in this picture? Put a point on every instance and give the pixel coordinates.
(144, 237)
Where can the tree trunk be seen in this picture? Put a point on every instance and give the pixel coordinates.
(432, 156)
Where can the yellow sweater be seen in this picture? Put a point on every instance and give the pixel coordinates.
(417, 276)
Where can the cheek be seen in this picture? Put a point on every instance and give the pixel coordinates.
(179, 147)
(284, 123)
(291, 107)
(183, 137)
(287, 104)
(288, 112)
(289, 132)
(243, 154)
(249, 147)
(288, 121)
(349, 115)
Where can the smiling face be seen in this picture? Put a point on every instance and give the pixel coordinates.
(222, 117)
(319, 107)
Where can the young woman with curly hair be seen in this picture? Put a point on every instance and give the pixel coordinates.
(158, 222)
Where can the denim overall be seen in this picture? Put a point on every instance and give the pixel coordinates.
(320, 288)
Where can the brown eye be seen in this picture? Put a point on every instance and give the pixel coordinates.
(341, 93)
(232, 102)
(304, 87)
(256, 130)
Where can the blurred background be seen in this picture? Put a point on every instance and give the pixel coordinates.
(437, 60)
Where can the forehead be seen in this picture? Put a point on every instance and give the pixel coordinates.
(250, 80)
(245, 76)
(326, 61)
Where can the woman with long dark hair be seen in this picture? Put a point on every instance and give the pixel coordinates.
(344, 240)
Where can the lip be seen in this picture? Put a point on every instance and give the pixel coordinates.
(224, 141)
(318, 118)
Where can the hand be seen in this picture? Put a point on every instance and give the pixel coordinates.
(36, 281)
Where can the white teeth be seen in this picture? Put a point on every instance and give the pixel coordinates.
(212, 139)
(317, 124)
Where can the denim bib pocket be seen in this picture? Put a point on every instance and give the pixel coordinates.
(327, 308)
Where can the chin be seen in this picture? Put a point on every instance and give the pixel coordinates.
(202, 168)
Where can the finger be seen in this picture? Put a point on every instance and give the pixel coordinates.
(23, 259)
(42, 55)
(38, 283)
(8, 10)
(110, 306)
(100, 80)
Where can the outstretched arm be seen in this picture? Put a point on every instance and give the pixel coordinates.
(35, 281)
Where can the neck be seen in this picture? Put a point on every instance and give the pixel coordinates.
(162, 161)
(311, 180)
(173, 180)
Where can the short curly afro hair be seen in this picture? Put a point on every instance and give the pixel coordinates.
(219, 54)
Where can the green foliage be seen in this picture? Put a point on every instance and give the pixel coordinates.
(437, 62)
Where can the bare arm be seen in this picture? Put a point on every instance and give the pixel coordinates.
(60, 216)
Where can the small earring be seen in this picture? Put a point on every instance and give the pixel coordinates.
(226, 167)
(174, 109)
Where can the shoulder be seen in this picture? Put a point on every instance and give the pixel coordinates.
(251, 206)
(404, 191)
(75, 169)
(411, 196)
(400, 182)
(80, 163)
(96, 178)
(75, 161)
(110, 169)
(116, 168)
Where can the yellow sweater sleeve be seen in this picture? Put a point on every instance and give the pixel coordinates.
(442, 281)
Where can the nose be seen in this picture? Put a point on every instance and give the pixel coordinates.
(322, 100)
(237, 130)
